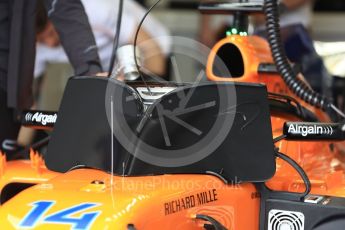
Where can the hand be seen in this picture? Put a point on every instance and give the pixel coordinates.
(102, 74)
(105, 74)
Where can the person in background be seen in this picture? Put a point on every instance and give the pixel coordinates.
(295, 21)
(292, 12)
(51, 65)
(17, 55)
(153, 38)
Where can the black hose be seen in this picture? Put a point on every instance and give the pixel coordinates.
(117, 37)
(37, 145)
(295, 85)
(214, 223)
(300, 171)
(136, 42)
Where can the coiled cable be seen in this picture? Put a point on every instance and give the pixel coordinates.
(297, 86)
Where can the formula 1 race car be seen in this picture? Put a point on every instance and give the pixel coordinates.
(249, 59)
(87, 184)
(162, 155)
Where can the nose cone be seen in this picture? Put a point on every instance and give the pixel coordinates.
(69, 202)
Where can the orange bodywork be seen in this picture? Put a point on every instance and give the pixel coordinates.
(322, 161)
(172, 201)
(155, 202)
(31, 171)
(255, 51)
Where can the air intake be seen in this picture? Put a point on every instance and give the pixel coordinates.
(285, 220)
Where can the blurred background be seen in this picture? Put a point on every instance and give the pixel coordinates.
(182, 18)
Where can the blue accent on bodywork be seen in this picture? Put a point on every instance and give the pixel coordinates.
(84, 221)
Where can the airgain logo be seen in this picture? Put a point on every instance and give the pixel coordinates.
(41, 118)
(306, 130)
(28, 117)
